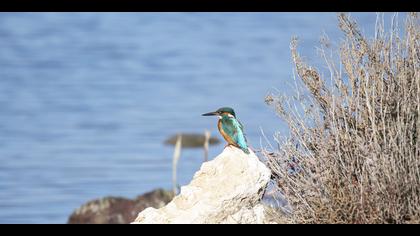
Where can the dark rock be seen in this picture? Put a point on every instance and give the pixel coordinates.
(118, 210)
(191, 140)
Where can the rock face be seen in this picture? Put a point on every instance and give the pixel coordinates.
(118, 210)
(227, 189)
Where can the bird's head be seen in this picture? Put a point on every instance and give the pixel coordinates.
(224, 111)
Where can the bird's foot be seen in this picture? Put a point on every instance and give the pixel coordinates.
(228, 145)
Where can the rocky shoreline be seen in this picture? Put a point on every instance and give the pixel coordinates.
(118, 210)
(227, 189)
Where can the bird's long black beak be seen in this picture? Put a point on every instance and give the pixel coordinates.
(211, 114)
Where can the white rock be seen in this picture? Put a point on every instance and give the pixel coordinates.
(227, 189)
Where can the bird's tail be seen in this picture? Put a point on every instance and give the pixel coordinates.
(244, 149)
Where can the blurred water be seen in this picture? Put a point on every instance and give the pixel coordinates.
(86, 99)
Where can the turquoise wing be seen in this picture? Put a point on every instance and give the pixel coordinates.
(235, 130)
(243, 132)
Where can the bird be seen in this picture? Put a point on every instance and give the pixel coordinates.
(230, 128)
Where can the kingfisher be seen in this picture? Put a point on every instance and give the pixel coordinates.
(230, 128)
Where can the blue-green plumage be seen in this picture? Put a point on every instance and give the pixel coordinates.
(230, 128)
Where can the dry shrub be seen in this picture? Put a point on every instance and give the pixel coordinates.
(352, 154)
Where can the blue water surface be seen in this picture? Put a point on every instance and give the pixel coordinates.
(87, 99)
